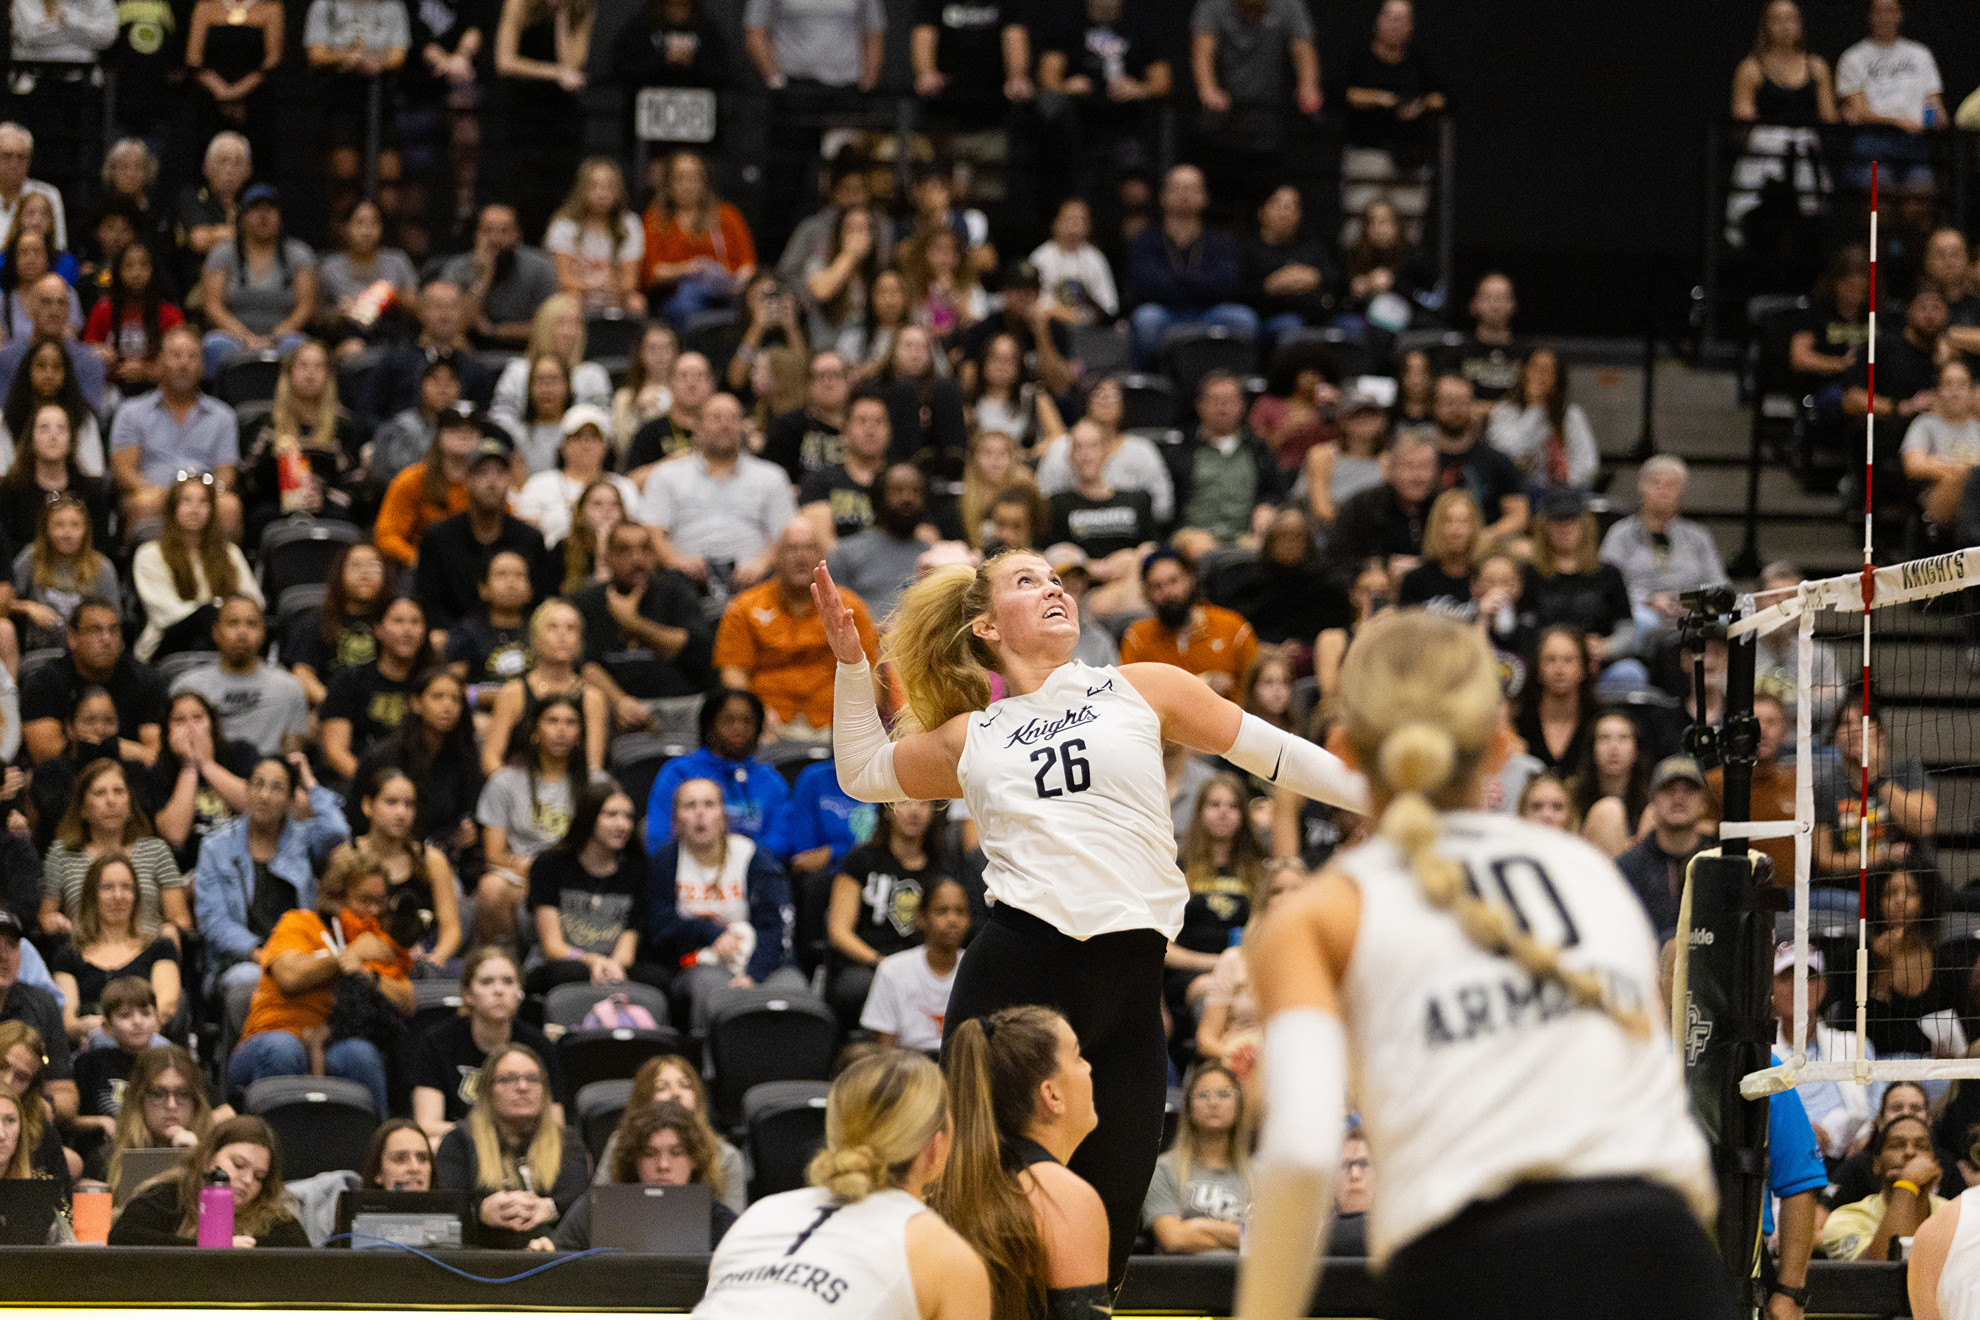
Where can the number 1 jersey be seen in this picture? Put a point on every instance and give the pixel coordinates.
(1067, 790)
(1471, 1075)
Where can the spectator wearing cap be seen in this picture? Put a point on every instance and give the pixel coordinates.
(1096, 645)
(38, 1008)
(721, 508)
(877, 564)
(1332, 474)
(1541, 430)
(1287, 277)
(173, 431)
(453, 557)
(259, 287)
(1180, 272)
(1227, 479)
(1567, 582)
(1387, 522)
(1654, 868)
(404, 439)
(1841, 1112)
(433, 489)
(1042, 338)
(393, 386)
(1661, 555)
(1208, 640)
(546, 499)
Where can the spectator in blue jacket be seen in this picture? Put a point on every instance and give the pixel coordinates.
(1180, 273)
(1795, 1175)
(818, 826)
(718, 908)
(753, 792)
(262, 864)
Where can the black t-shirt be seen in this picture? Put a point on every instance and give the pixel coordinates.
(638, 669)
(850, 500)
(1595, 602)
(1103, 52)
(449, 788)
(1259, 260)
(36, 1007)
(303, 644)
(1902, 370)
(668, 55)
(441, 23)
(1220, 906)
(453, 563)
(1122, 521)
(91, 979)
(210, 810)
(450, 1062)
(592, 910)
(149, 51)
(656, 440)
(373, 703)
(1488, 474)
(889, 897)
(492, 653)
(1374, 524)
(1835, 334)
(801, 445)
(51, 691)
(1428, 584)
(1492, 369)
(100, 1077)
(969, 49)
(1376, 125)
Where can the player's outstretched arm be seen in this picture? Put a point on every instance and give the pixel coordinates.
(1295, 969)
(870, 767)
(1198, 718)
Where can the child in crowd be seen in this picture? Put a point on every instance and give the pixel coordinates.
(910, 995)
(489, 650)
(130, 1020)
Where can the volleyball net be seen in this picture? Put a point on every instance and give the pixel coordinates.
(1884, 930)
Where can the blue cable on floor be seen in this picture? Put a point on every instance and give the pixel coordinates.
(561, 1259)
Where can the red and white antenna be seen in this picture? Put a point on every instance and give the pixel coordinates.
(1869, 594)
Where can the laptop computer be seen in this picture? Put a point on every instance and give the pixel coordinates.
(651, 1220)
(141, 1165)
(377, 1218)
(27, 1211)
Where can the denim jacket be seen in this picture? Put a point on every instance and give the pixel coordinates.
(224, 883)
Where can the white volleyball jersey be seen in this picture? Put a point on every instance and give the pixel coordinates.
(1472, 1077)
(1072, 807)
(1959, 1282)
(802, 1256)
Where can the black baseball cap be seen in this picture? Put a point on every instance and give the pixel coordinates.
(487, 448)
(11, 924)
(1563, 503)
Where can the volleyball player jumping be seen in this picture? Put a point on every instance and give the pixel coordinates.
(1064, 779)
(1489, 984)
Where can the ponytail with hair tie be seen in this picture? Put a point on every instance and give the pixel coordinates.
(848, 1173)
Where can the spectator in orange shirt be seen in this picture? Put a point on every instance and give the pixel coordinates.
(1213, 643)
(1773, 787)
(772, 643)
(430, 490)
(699, 254)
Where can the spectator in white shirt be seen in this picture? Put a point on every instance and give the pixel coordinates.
(1940, 448)
(63, 31)
(1536, 426)
(1660, 554)
(1840, 1112)
(17, 155)
(547, 498)
(1892, 87)
(721, 507)
(910, 994)
(597, 242)
(1074, 276)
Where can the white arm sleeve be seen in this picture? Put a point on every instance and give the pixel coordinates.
(1282, 758)
(860, 747)
(1299, 1153)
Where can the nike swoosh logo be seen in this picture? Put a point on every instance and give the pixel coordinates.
(1277, 762)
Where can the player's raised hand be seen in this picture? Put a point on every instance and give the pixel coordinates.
(840, 632)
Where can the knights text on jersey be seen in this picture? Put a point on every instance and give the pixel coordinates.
(803, 1256)
(1473, 1076)
(1069, 797)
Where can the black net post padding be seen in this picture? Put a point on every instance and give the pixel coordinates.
(1728, 1022)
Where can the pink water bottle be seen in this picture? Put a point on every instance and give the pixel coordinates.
(216, 1210)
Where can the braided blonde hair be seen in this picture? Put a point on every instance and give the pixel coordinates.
(881, 1114)
(1420, 703)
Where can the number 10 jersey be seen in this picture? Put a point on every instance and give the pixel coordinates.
(1071, 804)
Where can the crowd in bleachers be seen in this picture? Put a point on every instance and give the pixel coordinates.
(408, 669)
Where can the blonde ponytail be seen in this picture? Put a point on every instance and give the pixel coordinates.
(848, 1174)
(944, 667)
(1431, 666)
(881, 1114)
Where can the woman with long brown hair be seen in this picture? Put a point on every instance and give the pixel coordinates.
(1020, 1104)
(887, 1137)
(516, 1160)
(59, 569)
(1202, 1184)
(1539, 428)
(1064, 777)
(104, 818)
(164, 1105)
(994, 465)
(165, 1211)
(108, 944)
(184, 575)
(337, 634)
(597, 241)
(1222, 860)
(597, 511)
(699, 252)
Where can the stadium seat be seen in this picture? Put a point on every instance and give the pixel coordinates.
(1191, 352)
(435, 1002)
(323, 1123)
(495, 361)
(566, 1005)
(353, 375)
(786, 1126)
(1101, 350)
(758, 1036)
(1433, 342)
(714, 335)
(249, 418)
(297, 600)
(612, 336)
(605, 1054)
(635, 760)
(169, 667)
(597, 1110)
(1350, 358)
(297, 550)
(247, 377)
(1148, 401)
